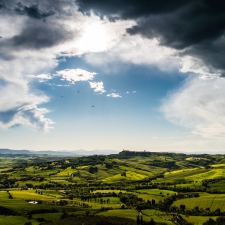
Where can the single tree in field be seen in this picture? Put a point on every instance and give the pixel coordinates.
(141, 222)
(182, 207)
(152, 222)
(138, 220)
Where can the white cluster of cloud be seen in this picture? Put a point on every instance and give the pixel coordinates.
(195, 65)
(200, 106)
(20, 107)
(75, 75)
(114, 95)
(41, 76)
(97, 86)
(139, 51)
(19, 103)
(128, 92)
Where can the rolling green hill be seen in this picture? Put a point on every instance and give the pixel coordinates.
(152, 185)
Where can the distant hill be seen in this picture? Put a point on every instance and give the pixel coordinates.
(79, 152)
(8, 151)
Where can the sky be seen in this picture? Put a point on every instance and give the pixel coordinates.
(112, 74)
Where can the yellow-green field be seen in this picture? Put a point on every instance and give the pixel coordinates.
(129, 176)
(31, 195)
(198, 220)
(212, 201)
(194, 174)
(158, 195)
(219, 185)
(132, 214)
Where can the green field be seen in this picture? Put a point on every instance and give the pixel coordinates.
(16, 220)
(31, 195)
(198, 220)
(130, 175)
(154, 194)
(142, 185)
(212, 201)
(132, 214)
(220, 185)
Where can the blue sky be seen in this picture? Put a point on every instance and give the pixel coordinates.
(74, 78)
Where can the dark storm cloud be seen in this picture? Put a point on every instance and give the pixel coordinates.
(38, 31)
(33, 11)
(2, 5)
(129, 9)
(198, 22)
(176, 23)
(35, 35)
(40, 9)
(211, 52)
(40, 35)
(195, 27)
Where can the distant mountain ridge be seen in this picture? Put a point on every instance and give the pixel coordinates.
(9, 151)
(79, 152)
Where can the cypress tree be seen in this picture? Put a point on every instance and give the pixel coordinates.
(138, 219)
(152, 222)
(141, 220)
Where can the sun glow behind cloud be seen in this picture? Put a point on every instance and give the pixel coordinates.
(95, 38)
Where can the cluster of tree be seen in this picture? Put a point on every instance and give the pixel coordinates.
(6, 182)
(31, 178)
(38, 192)
(93, 169)
(39, 211)
(70, 162)
(204, 162)
(105, 194)
(181, 189)
(85, 195)
(132, 201)
(10, 196)
(124, 174)
(140, 221)
(72, 219)
(178, 219)
(28, 223)
(164, 164)
(196, 211)
(109, 165)
(6, 211)
(103, 209)
(54, 174)
(206, 183)
(129, 154)
(98, 200)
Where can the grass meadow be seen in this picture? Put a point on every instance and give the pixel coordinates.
(212, 201)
